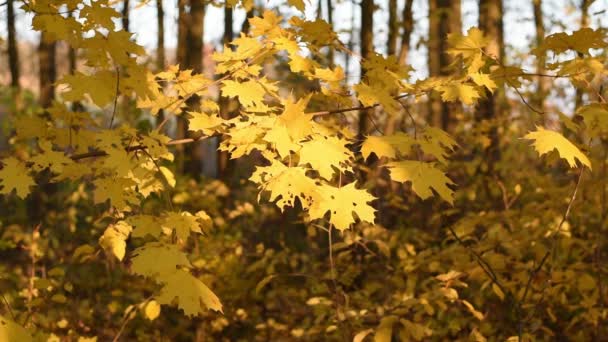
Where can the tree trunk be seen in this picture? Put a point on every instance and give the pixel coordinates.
(408, 26)
(543, 86)
(330, 21)
(489, 108)
(584, 23)
(367, 49)
(393, 28)
(223, 160)
(490, 22)
(182, 60)
(47, 70)
(195, 62)
(182, 31)
(246, 26)
(160, 46)
(73, 66)
(125, 15)
(160, 36)
(228, 31)
(444, 18)
(13, 50)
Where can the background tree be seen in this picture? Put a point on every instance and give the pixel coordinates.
(13, 50)
(444, 18)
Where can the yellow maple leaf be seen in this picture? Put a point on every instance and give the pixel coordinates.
(183, 223)
(190, 293)
(280, 140)
(436, 142)
(285, 184)
(298, 4)
(299, 125)
(455, 91)
(424, 177)
(11, 331)
(114, 239)
(386, 146)
(249, 93)
(546, 141)
(15, 176)
(144, 225)
(342, 203)
(467, 45)
(483, 80)
(158, 259)
(120, 192)
(208, 124)
(325, 153)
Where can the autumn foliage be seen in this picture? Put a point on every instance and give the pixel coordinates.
(489, 225)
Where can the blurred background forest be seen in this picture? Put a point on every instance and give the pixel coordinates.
(426, 270)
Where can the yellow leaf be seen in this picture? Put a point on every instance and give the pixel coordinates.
(546, 141)
(424, 177)
(190, 293)
(152, 310)
(458, 91)
(168, 175)
(119, 191)
(580, 41)
(299, 4)
(483, 80)
(157, 259)
(361, 335)
(299, 124)
(114, 239)
(11, 331)
(280, 139)
(498, 291)
(249, 93)
(436, 142)
(144, 225)
(208, 124)
(14, 176)
(467, 45)
(384, 331)
(386, 146)
(325, 153)
(285, 184)
(472, 310)
(342, 203)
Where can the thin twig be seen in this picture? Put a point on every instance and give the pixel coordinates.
(115, 97)
(8, 307)
(485, 266)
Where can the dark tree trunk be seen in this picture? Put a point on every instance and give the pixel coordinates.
(367, 49)
(584, 23)
(160, 45)
(195, 62)
(543, 86)
(47, 70)
(444, 18)
(393, 28)
(489, 108)
(246, 26)
(125, 15)
(330, 21)
(407, 25)
(13, 50)
(223, 160)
